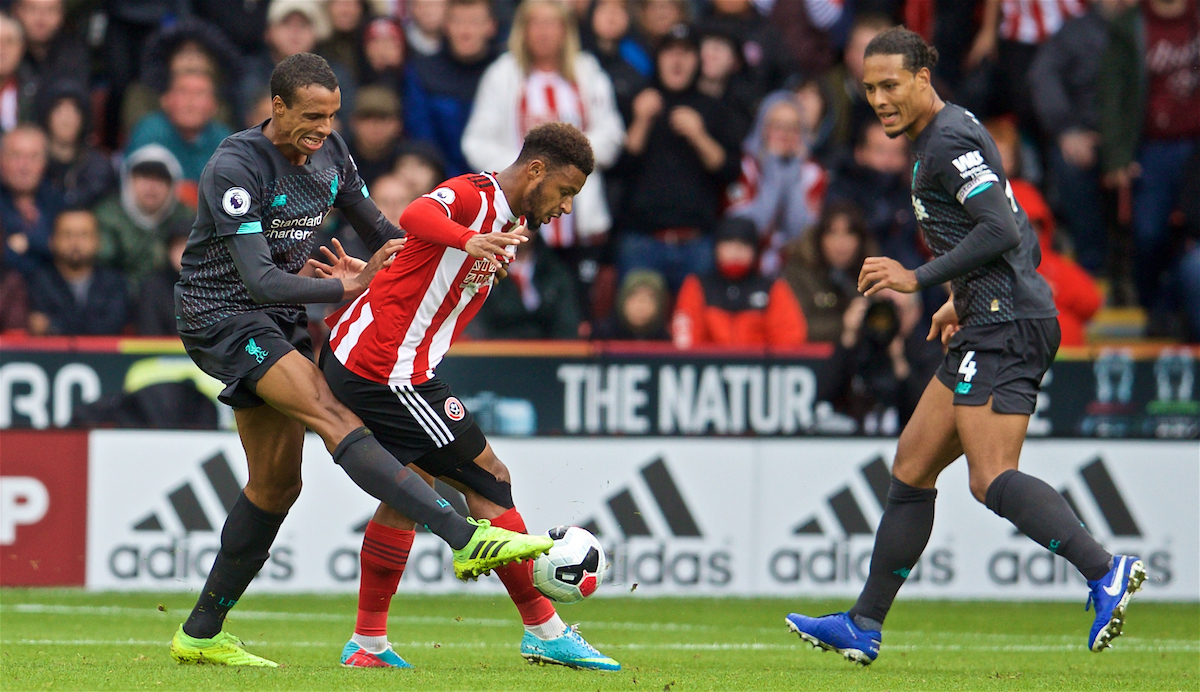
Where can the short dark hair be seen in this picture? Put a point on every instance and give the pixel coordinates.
(487, 4)
(558, 144)
(905, 43)
(298, 71)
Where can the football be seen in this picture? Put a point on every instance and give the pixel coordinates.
(574, 567)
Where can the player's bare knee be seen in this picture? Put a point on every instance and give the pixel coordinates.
(275, 497)
(980, 482)
(491, 463)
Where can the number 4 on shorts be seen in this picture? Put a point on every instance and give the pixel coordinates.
(967, 366)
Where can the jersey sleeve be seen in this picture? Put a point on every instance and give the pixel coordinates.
(231, 190)
(445, 215)
(351, 188)
(963, 168)
(461, 200)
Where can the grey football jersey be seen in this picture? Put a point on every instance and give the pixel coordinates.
(956, 159)
(249, 187)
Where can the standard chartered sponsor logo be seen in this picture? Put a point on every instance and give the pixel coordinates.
(303, 222)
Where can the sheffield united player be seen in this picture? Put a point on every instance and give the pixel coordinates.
(385, 346)
(240, 308)
(1002, 334)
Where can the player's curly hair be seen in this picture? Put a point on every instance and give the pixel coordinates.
(905, 43)
(298, 71)
(558, 144)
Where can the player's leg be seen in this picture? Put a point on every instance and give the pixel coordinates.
(487, 486)
(273, 444)
(928, 444)
(386, 544)
(297, 388)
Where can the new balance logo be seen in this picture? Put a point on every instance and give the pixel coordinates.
(628, 515)
(1099, 483)
(845, 507)
(186, 504)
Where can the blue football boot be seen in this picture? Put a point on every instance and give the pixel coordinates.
(837, 632)
(354, 656)
(569, 650)
(1111, 595)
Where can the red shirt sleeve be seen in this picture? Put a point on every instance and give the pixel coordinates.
(444, 215)
(786, 325)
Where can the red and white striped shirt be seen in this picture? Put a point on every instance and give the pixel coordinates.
(398, 331)
(1034, 21)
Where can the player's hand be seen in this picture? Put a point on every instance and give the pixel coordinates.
(383, 257)
(879, 273)
(341, 265)
(1078, 147)
(852, 321)
(944, 324)
(647, 105)
(687, 122)
(496, 247)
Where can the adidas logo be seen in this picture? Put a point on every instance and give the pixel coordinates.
(845, 508)
(1099, 483)
(628, 514)
(186, 505)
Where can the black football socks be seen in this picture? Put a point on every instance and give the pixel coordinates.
(245, 544)
(376, 471)
(1041, 513)
(903, 533)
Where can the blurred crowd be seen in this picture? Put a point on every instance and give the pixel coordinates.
(741, 176)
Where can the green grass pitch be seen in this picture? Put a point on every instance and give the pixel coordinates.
(65, 639)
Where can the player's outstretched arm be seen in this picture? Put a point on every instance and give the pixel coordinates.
(267, 283)
(427, 219)
(370, 224)
(995, 233)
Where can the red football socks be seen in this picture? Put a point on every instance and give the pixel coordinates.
(517, 577)
(384, 554)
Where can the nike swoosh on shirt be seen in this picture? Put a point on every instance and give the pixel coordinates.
(1115, 588)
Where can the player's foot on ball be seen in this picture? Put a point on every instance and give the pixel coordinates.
(837, 632)
(223, 649)
(493, 547)
(354, 656)
(569, 650)
(1111, 595)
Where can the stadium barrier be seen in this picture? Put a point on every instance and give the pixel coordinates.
(582, 389)
(677, 516)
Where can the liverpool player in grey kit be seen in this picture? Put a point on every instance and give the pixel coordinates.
(240, 307)
(1001, 332)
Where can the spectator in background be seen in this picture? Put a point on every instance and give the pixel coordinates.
(1188, 273)
(723, 77)
(1075, 293)
(28, 202)
(757, 40)
(876, 180)
(816, 118)
(393, 194)
(1150, 128)
(1064, 81)
(641, 311)
(134, 222)
(343, 46)
(51, 55)
(804, 27)
(14, 298)
(244, 23)
(260, 111)
(375, 129)
(185, 125)
(822, 268)
(881, 362)
(843, 83)
(536, 301)
(188, 45)
(544, 77)
(384, 52)
(735, 305)
(16, 104)
(73, 296)
(425, 27)
(1008, 39)
(781, 188)
(606, 35)
(680, 156)
(440, 88)
(156, 298)
(655, 19)
(420, 168)
(77, 171)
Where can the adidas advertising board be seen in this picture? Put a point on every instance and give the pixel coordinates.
(676, 516)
